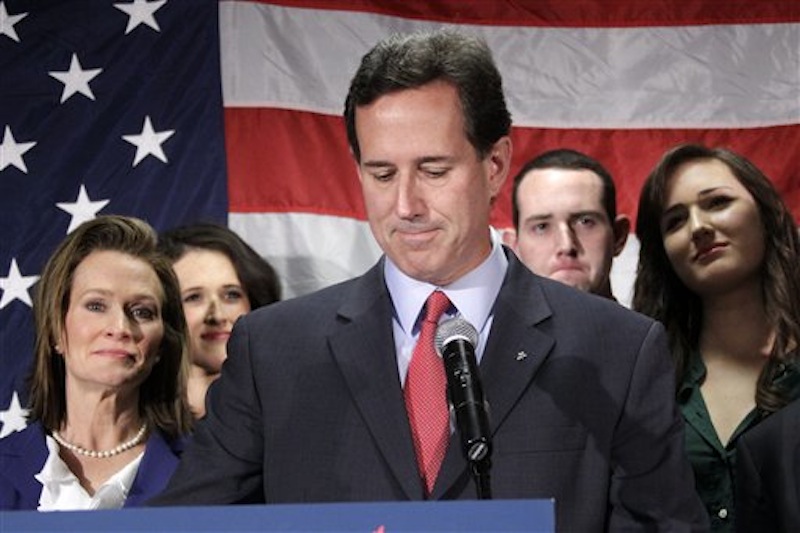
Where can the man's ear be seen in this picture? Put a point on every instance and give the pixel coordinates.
(499, 160)
(622, 228)
(509, 236)
(358, 172)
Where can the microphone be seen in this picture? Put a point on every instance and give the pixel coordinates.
(455, 342)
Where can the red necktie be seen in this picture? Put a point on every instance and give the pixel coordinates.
(425, 394)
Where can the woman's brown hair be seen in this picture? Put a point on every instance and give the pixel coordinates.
(162, 395)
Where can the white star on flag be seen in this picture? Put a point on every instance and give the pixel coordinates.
(141, 12)
(7, 22)
(76, 79)
(15, 286)
(11, 151)
(82, 209)
(13, 418)
(148, 142)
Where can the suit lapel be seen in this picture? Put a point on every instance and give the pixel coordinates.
(514, 352)
(516, 347)
(158, 464)
(364, 350)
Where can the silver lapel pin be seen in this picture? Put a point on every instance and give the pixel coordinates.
(521, 356)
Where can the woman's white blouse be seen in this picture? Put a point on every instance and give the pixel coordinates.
(63, 492)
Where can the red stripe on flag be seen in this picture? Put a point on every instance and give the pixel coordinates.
(271, 171)
(569, 13)
(289, 161)
(630, 155)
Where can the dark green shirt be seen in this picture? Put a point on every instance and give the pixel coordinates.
(714, 465)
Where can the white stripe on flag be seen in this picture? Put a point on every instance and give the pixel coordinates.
(309, 251)
(710, 76)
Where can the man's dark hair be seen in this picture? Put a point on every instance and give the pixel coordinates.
(567, 159)
(410, 61)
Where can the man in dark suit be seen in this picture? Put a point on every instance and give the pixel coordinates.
(768, 474)
(312, 402)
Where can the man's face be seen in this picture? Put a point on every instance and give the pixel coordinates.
(427, 193)
(564, 232)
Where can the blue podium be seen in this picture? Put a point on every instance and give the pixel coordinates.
(380, 517)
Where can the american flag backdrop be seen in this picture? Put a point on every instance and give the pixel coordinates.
(105, 107)
(178, 110)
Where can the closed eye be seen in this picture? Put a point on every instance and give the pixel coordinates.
(383, 176)
(435, 172)
(379, 171)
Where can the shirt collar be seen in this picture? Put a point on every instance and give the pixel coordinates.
(473, 294)
(61, 489)
(54, 469)
(694, 377)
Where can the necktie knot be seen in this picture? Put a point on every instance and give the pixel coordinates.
(436, 304)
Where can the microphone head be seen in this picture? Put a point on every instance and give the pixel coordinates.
(454, 328)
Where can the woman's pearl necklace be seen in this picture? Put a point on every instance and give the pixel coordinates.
(125, 446)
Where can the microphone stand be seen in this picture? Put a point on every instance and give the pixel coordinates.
(480, 473)
(477, 448)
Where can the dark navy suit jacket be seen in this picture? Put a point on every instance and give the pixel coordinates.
(768, 474)
(23, 454)
(309, 408)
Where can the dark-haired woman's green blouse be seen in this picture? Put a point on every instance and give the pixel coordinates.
(714, 464)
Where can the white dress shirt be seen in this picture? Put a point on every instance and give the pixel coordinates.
(473, 296)
(62, 491)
